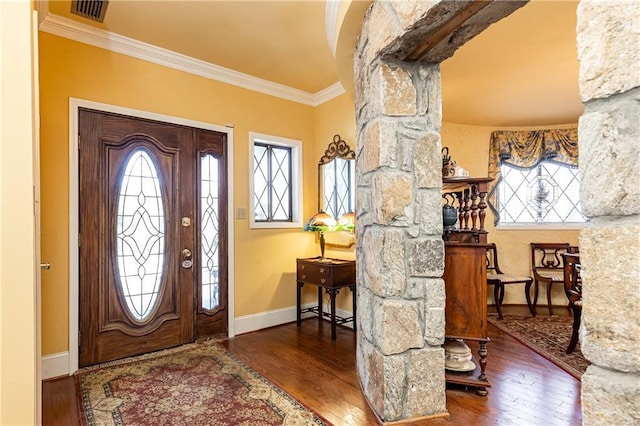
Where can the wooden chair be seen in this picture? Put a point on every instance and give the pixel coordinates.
(499, 279)
(573, 290)
(546, 264)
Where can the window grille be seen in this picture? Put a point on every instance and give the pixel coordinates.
(546, 193)
(275, 182)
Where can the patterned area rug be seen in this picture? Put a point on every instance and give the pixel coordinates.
(547, 335)
(197, 384)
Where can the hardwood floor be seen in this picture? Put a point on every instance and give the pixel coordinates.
(526, 388)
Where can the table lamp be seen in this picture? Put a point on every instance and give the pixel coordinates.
(321, 222)
(347, 222)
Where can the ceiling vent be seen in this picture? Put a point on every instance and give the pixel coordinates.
(91, 9)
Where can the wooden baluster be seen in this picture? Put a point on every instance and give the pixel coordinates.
(460, 197)
(466, 209)
(483, 207)
(474, 207)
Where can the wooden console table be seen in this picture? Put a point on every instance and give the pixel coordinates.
(331, 275)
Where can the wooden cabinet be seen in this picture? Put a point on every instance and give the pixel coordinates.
(465, 277)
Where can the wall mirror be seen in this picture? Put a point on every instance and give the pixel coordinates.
(336, 187)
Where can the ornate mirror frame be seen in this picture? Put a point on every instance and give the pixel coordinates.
(336, 169)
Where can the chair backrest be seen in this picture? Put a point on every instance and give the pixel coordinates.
(547, 257)
(572, 281)
(492, 260)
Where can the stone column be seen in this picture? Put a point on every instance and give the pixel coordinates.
(609, 138)
(400, 250)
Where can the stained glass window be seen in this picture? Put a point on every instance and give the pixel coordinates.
(210, 236)
(140, 234)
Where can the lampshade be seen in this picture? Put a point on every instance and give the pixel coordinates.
(347, 222)
(320, 222)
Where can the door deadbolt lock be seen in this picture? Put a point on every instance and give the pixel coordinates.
(187, 262)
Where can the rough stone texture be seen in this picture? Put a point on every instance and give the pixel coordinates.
(395, 383)
(434, 326)
(610, 156)
(430, 95)
(436, 295)
(608, 39)
(370, 370)
(416, 288)
(611, 280)
(384, 261)
(409, 131)
(610, 398)
(383, 379)
(608, 47)
(425, 257)
(427, 161)
(392, 198)
(364, 207)
(435, 320)
(364, 313)
(383, 28)
(429, 212)
(395, 94)
(425, 371)
(398, 326)
(380, 145)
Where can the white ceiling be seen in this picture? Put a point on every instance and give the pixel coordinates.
(521, 71)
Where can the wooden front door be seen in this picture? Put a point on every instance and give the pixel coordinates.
(153, 244)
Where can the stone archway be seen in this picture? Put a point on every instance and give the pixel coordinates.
(398, 166)
(399, 174)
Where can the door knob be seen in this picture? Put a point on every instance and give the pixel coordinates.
(186, 258)
(45, 266)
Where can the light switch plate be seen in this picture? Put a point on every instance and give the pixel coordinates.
(241, 213)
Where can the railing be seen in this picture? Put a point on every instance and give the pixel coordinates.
(468, 196)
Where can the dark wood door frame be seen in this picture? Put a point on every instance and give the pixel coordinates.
(74, 105)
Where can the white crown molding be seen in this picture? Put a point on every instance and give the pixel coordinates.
(67, 28)
(327, 94)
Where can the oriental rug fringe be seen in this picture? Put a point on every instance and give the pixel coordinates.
(548, 336)
(196, 384)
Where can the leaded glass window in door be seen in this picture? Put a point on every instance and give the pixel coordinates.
(140, 235)
(210, 236)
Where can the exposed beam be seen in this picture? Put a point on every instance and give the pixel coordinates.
(447, 28)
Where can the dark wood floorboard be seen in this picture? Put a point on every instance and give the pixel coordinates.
(526, 388)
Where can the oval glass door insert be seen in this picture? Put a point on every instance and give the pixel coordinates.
(140, 235)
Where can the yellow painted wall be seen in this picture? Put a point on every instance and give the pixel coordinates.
(18, 390)
(469, 147)
(264, 259)
(336, 117)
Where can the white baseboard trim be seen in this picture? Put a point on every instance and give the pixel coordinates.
(255, 322)
(55, 365)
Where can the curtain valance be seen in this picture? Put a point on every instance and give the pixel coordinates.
(527, 148)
